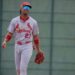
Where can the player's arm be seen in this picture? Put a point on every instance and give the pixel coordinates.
(11, 29)
(7, 39)
(40, 55)
(36, 41)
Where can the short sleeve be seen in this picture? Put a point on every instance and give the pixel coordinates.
(35, 29)
(11, 27)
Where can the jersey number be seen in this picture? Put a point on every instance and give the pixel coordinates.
(27, 35)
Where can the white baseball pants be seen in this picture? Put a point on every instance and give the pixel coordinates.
(23, 54)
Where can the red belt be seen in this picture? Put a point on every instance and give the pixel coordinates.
(21, 43)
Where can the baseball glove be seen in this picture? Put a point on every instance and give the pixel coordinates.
(39, 58)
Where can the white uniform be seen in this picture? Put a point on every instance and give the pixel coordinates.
(23, 33)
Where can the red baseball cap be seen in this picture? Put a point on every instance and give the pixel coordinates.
(26, 4)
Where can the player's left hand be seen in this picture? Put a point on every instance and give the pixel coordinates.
(39, 57)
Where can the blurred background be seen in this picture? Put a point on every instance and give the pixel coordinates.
(56, 20)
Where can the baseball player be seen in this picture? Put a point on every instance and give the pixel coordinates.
(26, 32)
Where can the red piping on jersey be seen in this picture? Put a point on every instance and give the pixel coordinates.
(23, 18)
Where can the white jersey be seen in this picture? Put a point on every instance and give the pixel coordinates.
(23, 31)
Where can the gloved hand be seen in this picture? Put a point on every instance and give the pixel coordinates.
(39, 58)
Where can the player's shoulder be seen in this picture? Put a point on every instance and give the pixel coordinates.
(33, 20)
(15, 19)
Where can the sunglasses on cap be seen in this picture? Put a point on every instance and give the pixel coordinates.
(26, 8)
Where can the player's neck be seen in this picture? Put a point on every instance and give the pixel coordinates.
(24, 17)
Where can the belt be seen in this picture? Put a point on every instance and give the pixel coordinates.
(21, 43)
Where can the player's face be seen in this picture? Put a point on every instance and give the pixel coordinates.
(25, 10)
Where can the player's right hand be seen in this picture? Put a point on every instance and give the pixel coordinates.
(4, 44)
